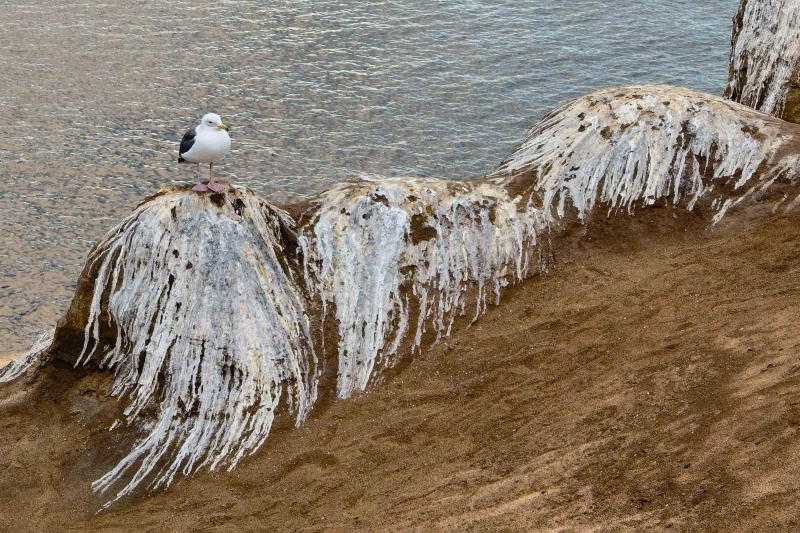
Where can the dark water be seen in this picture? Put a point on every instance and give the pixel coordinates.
(94, 98)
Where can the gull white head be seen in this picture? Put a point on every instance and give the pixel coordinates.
(212, 121)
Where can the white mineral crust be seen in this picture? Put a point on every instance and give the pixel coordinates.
(765, 53)
(625, 145)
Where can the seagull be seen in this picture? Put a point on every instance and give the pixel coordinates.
(208, 142)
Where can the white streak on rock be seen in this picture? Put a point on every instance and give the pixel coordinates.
(210, 330)
(434, 237)
(765, 53)
(32, 357)
(786, 168)
(623, 145)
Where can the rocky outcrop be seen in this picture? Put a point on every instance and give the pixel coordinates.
(217, 312)
(636, 145)
(765, 57)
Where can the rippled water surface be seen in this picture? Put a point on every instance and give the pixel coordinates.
(94, 98)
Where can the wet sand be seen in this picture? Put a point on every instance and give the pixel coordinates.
(648, 383)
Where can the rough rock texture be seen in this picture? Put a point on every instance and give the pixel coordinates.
(216, 313)
(765, 57)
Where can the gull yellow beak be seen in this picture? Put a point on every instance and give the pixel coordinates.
(223, 127)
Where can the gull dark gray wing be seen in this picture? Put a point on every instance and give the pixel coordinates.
(186, 144)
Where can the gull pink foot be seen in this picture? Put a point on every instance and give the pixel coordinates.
(216, 187)
(200, 187)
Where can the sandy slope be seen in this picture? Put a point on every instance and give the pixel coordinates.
(649, 382)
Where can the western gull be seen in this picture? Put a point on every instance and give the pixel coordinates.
(208, 142)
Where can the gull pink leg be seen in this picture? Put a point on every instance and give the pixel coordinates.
(199, 187)
(213, 185)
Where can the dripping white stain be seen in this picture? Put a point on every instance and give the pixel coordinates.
(625, 145)
(363, 249)
(208, 318)
(766, 50)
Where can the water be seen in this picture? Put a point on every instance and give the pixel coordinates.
(94, 98)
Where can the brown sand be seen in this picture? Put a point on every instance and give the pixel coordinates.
(650, 382)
